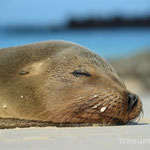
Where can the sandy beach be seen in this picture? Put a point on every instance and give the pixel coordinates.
(110, 137)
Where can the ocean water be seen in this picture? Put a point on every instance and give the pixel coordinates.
(109, 43)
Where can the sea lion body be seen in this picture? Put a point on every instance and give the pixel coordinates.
(61, 82)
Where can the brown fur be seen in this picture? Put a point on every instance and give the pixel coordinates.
(36, 83)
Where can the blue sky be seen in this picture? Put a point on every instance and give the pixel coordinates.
(57, 11)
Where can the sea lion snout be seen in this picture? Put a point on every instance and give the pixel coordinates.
(132, 101)
(131, 108)
(118, 107)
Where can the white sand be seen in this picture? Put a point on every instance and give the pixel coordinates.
(83, 138)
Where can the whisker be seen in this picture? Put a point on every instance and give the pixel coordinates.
(84, 104)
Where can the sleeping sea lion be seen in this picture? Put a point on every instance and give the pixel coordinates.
(61, 83)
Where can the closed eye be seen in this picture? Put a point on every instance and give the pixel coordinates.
(23, 72)
(79, 73)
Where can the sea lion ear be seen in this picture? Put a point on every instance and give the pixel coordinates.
(32, 69)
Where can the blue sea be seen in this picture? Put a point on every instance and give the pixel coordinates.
(109, 43)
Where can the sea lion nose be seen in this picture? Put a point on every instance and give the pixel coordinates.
(132, 101)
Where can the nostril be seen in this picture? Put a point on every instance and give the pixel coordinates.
(132, 101)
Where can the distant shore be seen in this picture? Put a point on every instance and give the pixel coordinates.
(81, 23)
(116, 21)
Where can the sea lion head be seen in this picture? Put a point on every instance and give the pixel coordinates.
(62, 82)
(78, 86)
